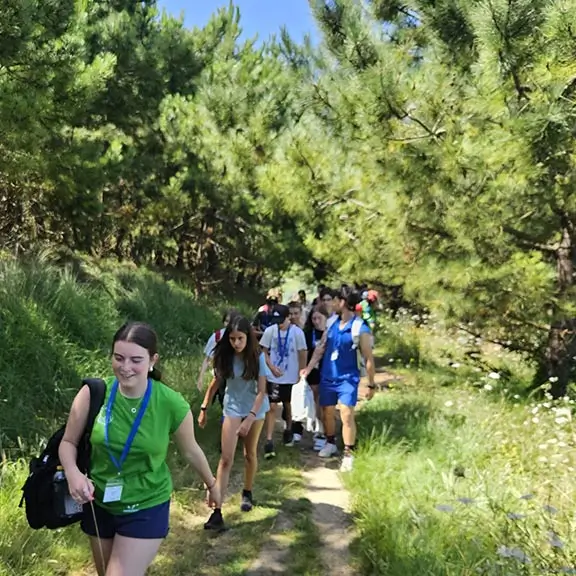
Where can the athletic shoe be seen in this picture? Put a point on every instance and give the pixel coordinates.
(347, 463)
(269, 450)
(319, 443)
(297, 438)
(328, 451)
(247, 503)
(288, 438)
(215, 522)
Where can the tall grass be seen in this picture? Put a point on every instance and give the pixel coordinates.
(456, 475)
(55, 330)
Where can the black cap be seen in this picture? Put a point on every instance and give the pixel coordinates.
(280, 313)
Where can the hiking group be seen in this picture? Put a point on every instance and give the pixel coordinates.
(123, 491)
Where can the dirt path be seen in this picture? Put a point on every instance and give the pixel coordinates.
(331, 514)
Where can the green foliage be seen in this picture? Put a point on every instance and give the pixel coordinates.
(453, 480)
(57, 330)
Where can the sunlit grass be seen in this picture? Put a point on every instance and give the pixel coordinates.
(455, 475)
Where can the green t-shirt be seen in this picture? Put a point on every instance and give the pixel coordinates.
(146, 479)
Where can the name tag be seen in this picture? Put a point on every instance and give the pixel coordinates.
(113, 491)
(334, 356)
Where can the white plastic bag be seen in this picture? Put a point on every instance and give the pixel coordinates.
(303, 407)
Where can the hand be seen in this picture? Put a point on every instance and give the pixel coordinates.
(202, 418)
(276, 372)
(244, 428)
(80, 487)
(304, 373)
(213, 497)
(370, 393)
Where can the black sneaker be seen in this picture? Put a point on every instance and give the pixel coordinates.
(288, 438)
(247, 503)
(215, 522)
(269, 450)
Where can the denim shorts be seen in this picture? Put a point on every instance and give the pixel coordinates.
(151, 523)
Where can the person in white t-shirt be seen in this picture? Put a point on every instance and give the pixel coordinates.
(210, 345)
(284, 346)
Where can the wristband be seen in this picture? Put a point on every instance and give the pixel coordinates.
(203, 408)
(253, 413)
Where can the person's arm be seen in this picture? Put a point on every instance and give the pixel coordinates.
(190, 449)
(366, 351)
(210, 393)
(302, 351)
(265, 345)
(80, 488)
(316, 356)
(203, 368)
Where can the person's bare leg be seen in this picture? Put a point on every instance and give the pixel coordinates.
(288, 414)
(251, 453)
(229, 442)
(101, 556)
(271, 422)
(348, 425)
(328, 413)
(132, 556)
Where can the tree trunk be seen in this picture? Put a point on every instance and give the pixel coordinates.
(561, 344)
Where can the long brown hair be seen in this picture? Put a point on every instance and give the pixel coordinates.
(224, 352)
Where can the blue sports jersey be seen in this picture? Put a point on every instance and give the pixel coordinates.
(340, 361)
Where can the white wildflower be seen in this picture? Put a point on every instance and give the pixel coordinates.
(494, 375)
(448, 403)
(488, 387)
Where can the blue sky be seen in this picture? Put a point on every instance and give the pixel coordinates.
(262, 17)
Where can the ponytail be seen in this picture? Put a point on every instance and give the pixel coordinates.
(155, 374)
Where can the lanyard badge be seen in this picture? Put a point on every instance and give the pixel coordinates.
(283, 348)
(113, 489)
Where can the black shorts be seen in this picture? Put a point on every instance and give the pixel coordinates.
(279, 392)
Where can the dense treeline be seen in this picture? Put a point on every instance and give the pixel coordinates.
(423, 144)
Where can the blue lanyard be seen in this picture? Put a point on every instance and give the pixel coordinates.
(313, 338)
(283, 347)
(135, 425)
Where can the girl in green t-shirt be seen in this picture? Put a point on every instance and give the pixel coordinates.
(239, 362)
(127, 498)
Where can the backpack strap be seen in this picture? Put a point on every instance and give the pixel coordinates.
(97, 388)
(356, 326)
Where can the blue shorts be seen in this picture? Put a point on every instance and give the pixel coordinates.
(333, 392)
(151, 523)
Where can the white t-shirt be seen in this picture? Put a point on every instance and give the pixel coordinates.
(293, 341)
(211, 344)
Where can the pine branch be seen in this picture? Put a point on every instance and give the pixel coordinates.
(526, 241)
(509, 345)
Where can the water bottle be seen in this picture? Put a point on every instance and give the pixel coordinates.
(65, 505)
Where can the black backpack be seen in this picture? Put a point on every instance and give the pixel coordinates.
(47, 501)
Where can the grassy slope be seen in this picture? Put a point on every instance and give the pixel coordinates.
(56, 330)
(457, 474)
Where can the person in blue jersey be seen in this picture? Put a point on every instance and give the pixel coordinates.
(347, 341)
(241, 365)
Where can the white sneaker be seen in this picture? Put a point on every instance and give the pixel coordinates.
(319, 443)
(297, 438)
(328, 451)
(347, 463)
